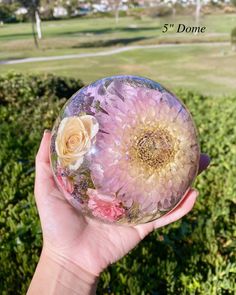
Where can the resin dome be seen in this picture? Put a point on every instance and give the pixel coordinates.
(124, 150)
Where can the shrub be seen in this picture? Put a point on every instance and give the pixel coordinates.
(28, 104)
(7, 13)
(195, 255)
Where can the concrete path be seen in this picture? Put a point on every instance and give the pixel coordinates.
(106, 52)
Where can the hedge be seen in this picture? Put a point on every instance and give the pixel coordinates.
(195, 255)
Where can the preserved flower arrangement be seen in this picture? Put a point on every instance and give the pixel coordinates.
(124, 150)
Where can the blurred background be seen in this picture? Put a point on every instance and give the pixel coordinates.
(65, 28)
(48, 50)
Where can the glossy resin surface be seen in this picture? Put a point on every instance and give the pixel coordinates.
(124, 150)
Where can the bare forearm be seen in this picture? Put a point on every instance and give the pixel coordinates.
(57, 275)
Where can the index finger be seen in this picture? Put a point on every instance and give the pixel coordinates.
(203, 162)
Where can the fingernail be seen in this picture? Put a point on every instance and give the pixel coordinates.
(46, 131)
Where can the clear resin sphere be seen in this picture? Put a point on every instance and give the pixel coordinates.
(124, 150)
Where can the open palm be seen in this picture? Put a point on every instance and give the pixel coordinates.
(84, 241)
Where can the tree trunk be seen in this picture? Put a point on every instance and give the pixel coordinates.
(33, 30)
(197, 12)
(173, 11)
(117, 15)
(38, 25)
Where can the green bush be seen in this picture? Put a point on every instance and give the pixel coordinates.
(7, 13)
(28, 105)
(195, 255)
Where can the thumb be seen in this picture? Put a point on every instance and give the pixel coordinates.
(43, 175)
(43, 152)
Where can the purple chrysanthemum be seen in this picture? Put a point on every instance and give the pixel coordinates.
(146, 150)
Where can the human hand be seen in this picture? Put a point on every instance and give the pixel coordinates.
(84, 241)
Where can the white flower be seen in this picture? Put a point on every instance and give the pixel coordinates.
(74, 139)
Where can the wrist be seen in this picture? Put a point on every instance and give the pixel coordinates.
(56, 274)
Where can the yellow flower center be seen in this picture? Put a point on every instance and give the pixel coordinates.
(153, 148)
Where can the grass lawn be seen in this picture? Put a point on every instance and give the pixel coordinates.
(71, 36)
(206, 69)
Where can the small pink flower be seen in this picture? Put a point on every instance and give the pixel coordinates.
(104, 206)
(64, 182)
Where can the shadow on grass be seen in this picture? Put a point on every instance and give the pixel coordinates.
(15, 36)
(110, 30)
(111, 42)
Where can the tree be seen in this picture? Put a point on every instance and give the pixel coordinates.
(33, 11)
(70, 5)
(48, 7)
(115, 5)
(6, 12)
(233, 2)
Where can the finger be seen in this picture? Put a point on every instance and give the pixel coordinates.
(184, 207)
(203, 163)
(44, 178)
(181, 210)
(43, 152)
(42, 162)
